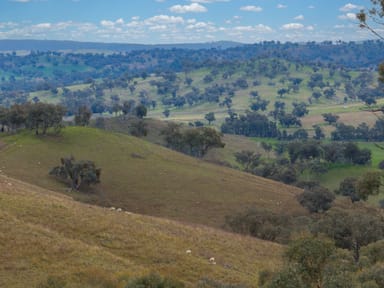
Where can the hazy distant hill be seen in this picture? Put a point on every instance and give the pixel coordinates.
(53, 45)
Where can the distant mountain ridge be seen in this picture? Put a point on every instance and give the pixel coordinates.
(58, 45)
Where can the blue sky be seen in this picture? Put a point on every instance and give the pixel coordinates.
(181, 21)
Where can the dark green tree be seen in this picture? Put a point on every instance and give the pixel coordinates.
(210, 117)
(41, 116)
(368, 184)
(249, 159)
(348, 188)
(128, 106)
(319, 134)
(141, 111)
(138, 128)
(78, 173)
(287, 278)
(352, 229)
(330, 118)
(316, 199)
(299, 109)
(311, 256)
(83, 116)
(166, 113)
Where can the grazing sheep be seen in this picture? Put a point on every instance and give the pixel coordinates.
(112, 208)
(119, 209)
(188, 251)
(212, 259)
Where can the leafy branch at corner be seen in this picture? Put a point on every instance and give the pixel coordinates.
(372, 20)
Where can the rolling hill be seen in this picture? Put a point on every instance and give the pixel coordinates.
(46, 234)
(145, 178)
(57, 45)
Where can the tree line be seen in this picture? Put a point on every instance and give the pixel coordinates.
(34, 116)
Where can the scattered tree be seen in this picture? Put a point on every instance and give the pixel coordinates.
(210, 117)
(141, 111)
(311, 256)
(79, 173)
(352, 229)
(317, 199)
(166, 113)
(249, 159)
(83, 116)
(330, 118)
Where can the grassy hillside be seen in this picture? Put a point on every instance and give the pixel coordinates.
(145, 178)
(43, 234)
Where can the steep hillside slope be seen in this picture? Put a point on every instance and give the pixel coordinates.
(43, 234)
(145, 178)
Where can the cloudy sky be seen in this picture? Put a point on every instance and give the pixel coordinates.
(180, 21)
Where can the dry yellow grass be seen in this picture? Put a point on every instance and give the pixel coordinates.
(43, 233)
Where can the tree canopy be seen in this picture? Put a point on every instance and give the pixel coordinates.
(78, 173)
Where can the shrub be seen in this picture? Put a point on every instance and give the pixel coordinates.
(52, 282)
(288, 278)
(317, 199)
(154, 281)
(209, 283)
(261, 224)
(374, 275)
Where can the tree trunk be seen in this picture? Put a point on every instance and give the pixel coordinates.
(356, 251)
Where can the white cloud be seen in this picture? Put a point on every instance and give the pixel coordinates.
(251, 8)
(299, 17)
(292, 26)
(261, 28)
(158, 28)
(193, 8)
(281, 6)
(107, 23)
(164, 19)
(120, 21)
(349, 7)
(21, 1)
(208, 1)
(203, 27)
(243, 28)
(43, 25)
(348, 16)
(311, 7)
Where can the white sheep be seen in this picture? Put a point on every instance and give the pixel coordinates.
(112, 208)
(119, 209)
(188, 251)
(212, 259)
